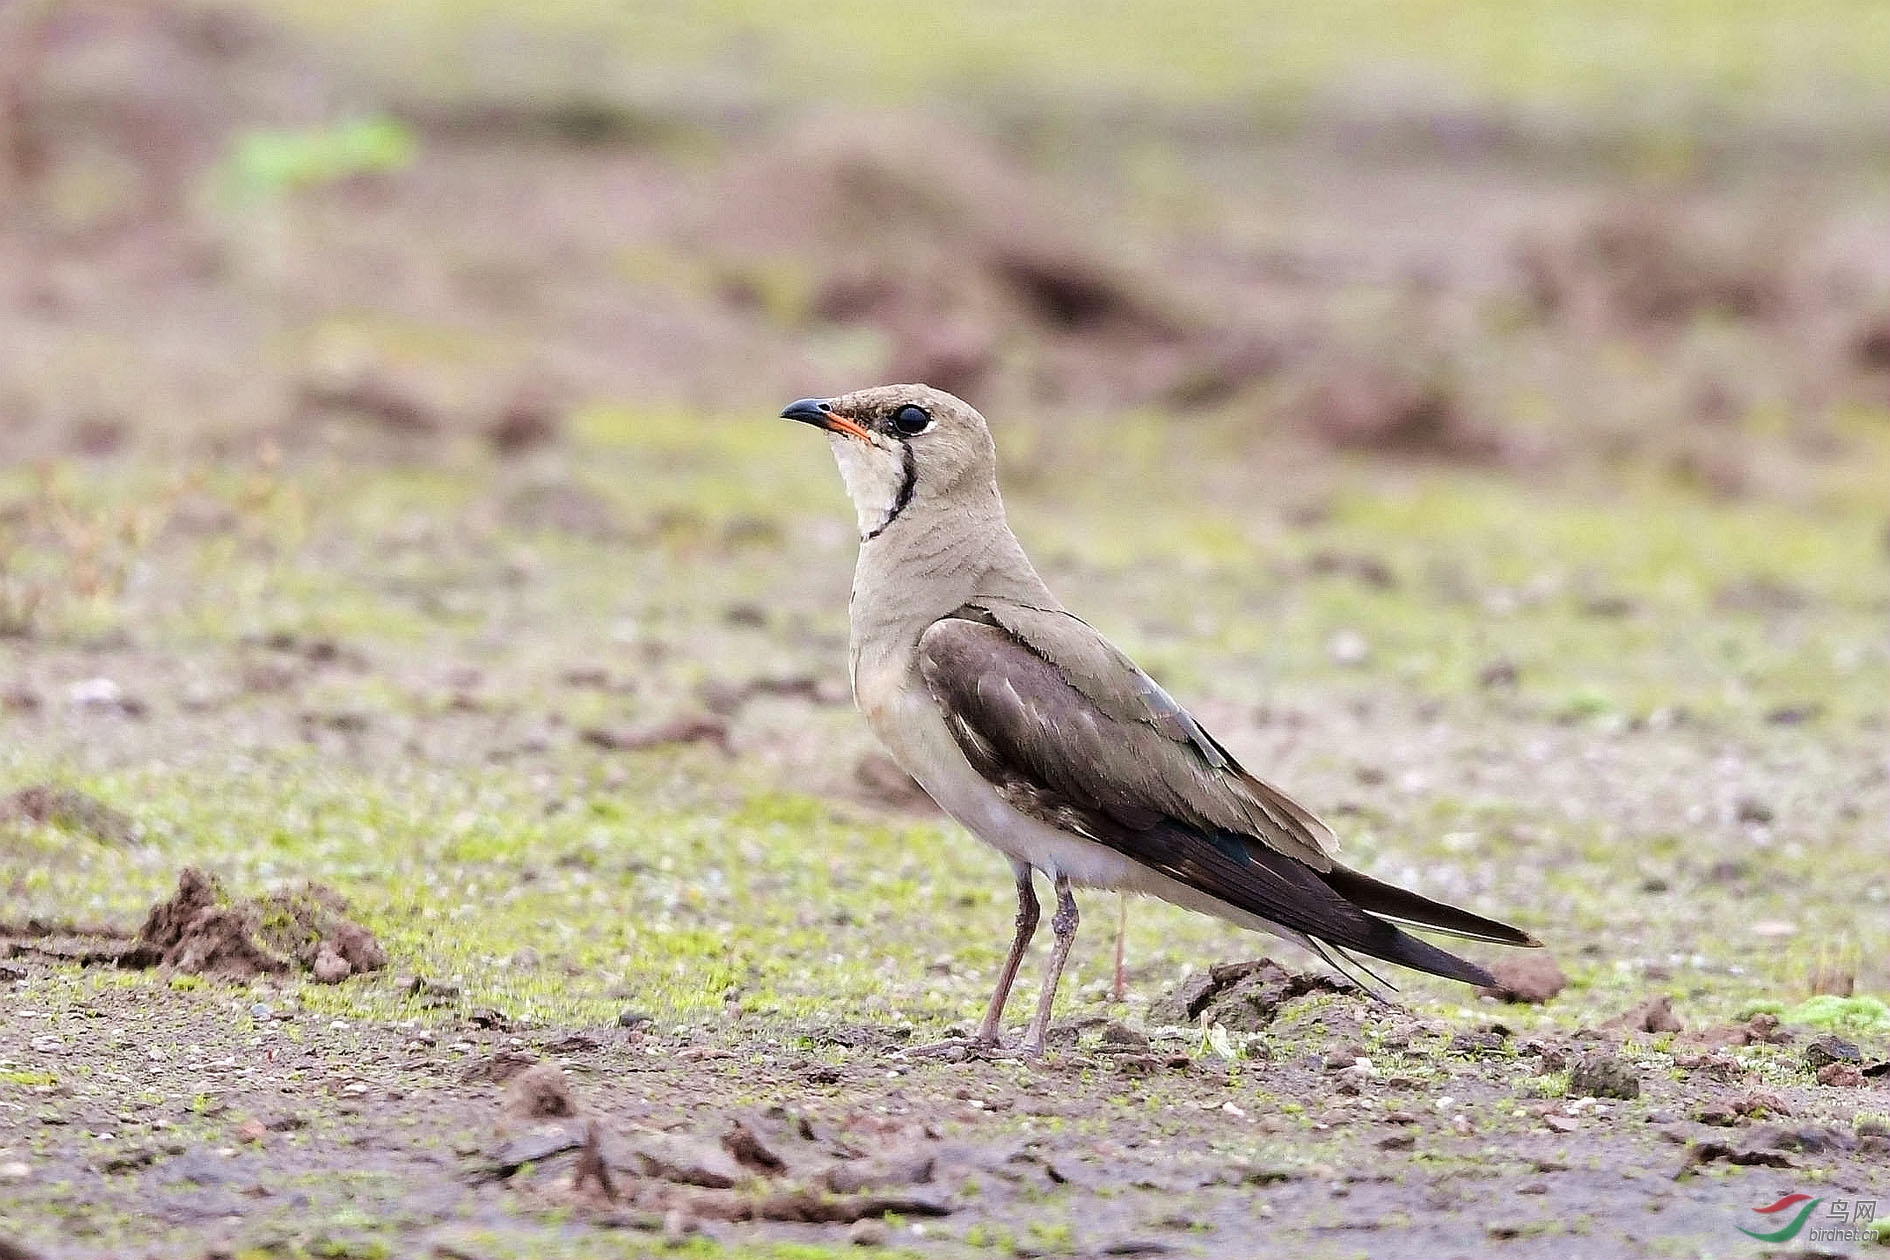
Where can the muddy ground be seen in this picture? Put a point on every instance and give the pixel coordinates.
(394, 529)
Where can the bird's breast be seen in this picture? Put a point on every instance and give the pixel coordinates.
(913, 729)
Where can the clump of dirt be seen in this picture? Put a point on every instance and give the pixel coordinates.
(1841, 1075)
(1655, 1015)
(1762, 1029)
(70, 810)
(1599, 1074)
(1653, 263)
(959, 256)
(1870, 348)
(724, 698)
(879, 781)
(772, 1166)
(1240, 996)
(1831, 1048)
(531, 417)
(498, 1069)
(368, 393)
(1527, 978)
(1397, 408)
(201, 929)
(686, 728)
(540, 1092)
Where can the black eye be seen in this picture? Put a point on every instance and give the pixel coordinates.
(910, 421)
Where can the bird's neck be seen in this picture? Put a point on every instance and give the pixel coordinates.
(932, 562)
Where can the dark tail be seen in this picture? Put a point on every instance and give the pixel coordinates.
(1382, 940)
(1338, 907)
(1391, 902)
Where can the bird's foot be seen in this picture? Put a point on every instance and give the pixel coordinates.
(961, 1049)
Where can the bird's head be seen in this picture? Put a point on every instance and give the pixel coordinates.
(901, 447)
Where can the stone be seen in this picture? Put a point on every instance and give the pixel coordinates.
(539, 1092)
(330, 967)
(1841, 1075)
(1655, 1015)
(1117, 1033)
(1529, 978)
(867, 1232)
(1182, 1003)
(1829, 1049)
(1599, 1074)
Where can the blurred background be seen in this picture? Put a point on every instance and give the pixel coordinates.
(1558, 240)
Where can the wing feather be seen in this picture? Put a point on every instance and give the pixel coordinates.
(1150, 783)
(1216, 790)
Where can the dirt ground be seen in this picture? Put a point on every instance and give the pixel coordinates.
(404, 542)
(193, 1125)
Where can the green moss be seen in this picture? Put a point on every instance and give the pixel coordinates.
(1844, 1014)
(1272, 56)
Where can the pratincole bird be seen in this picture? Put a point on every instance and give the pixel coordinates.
(1046, 742)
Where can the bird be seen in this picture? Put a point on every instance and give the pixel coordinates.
(1045, 741)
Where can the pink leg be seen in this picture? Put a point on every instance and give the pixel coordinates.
(987, 1034)
(1063, 924)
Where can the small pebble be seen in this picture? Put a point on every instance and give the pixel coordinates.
(1829, 1049)
(868, 1231)
(1602, 1075)
(1530, 978)
(1841, 1075)
(1348, 647)
(330, 967)
(95, 693)
(260, 1010)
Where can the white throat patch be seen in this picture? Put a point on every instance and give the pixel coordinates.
(876, 480)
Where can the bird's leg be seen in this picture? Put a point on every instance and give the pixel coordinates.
(987, 1034)
(1063, 925)
(1119, 985)
(984, 1042)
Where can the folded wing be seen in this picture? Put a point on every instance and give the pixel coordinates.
(1070, 731)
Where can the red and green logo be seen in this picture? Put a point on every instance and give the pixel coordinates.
(1805, 1204)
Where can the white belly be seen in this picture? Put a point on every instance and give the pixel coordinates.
(909, 724)
(914, 732)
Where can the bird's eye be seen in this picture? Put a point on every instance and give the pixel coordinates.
(910, 421)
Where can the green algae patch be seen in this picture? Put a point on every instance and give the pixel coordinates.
(1857, 1015)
